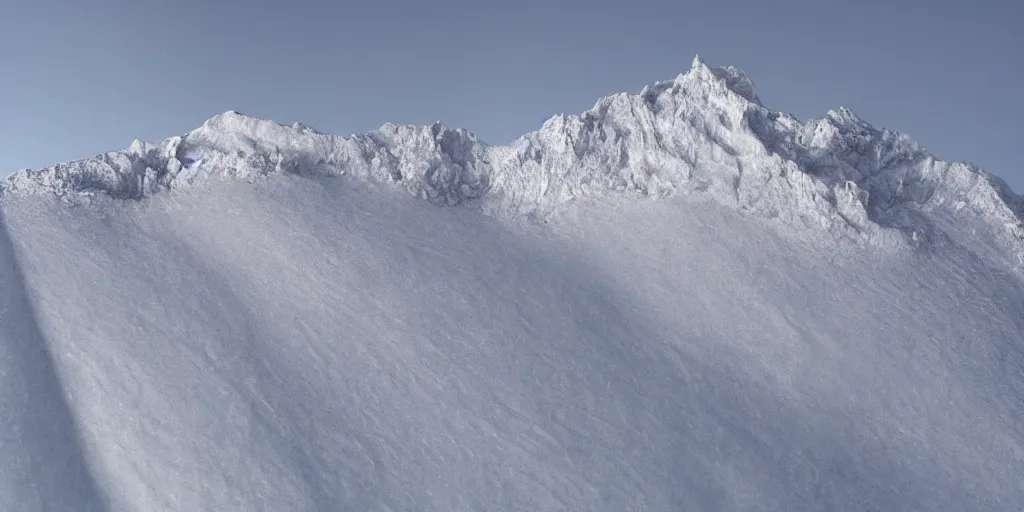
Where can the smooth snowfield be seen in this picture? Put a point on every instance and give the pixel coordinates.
(316, 344)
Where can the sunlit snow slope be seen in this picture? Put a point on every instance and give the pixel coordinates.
(676, 301)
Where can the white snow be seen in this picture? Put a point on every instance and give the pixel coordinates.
(677, 300)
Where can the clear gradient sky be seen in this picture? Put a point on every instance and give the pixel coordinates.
(81, 77)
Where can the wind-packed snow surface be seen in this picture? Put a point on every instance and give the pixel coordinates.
(678, 300)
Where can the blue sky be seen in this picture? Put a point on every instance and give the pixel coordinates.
(78, 78)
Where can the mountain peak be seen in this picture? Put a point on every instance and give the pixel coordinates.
(698, 70)
(229, 118)
(733, 78)
(697, 62)
(233, 121)
(845, 116)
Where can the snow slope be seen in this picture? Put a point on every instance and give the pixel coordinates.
(678, 300)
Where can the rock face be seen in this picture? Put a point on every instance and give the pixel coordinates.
(704, 133)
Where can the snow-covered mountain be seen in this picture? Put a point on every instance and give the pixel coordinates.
(705, 133)
(677, 300)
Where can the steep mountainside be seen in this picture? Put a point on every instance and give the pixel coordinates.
(677, 300)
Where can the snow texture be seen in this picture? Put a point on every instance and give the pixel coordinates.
(800, 316)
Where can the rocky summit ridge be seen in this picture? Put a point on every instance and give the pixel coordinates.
(705, 133)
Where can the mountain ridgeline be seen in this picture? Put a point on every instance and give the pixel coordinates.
(705, 133)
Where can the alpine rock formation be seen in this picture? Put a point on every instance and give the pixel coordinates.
(676, 300)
